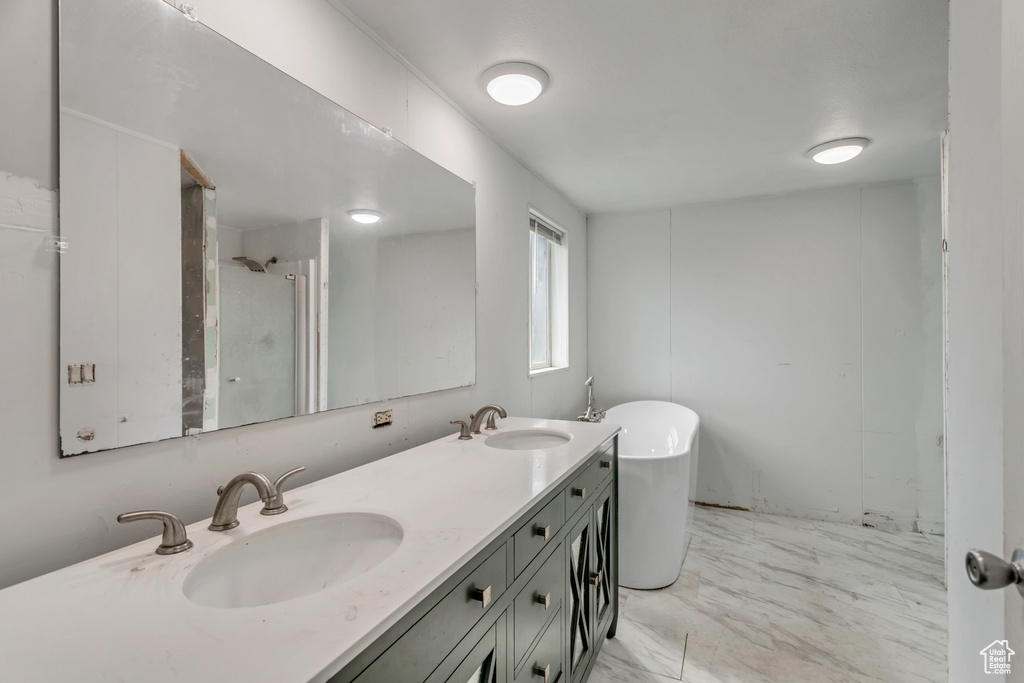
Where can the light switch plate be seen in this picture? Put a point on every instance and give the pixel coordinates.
(81, 373)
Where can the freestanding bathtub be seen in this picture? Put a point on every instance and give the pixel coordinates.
(657, 484)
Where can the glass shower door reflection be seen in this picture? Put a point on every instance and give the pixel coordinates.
(257, 347)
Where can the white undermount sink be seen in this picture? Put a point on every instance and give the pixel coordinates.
(293, 559)
(528, 439)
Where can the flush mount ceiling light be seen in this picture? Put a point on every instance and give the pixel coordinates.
(364, 216)
(515, 83)
(837, 151)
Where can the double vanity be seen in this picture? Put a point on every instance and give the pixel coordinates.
(486, 560)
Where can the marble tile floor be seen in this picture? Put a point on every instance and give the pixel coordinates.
(763, 598)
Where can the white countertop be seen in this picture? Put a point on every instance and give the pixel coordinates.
(123, 617)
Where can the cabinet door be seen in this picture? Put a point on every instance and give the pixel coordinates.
(580, 601)
(481, 666)
(601, 578)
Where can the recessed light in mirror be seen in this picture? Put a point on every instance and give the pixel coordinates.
(364, 216)
(515, 83)
(837, 151)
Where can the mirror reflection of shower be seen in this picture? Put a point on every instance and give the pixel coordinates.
(263, 327)
(271, 336)
(250, 313)
(593, 413)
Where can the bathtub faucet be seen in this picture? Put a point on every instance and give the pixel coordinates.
(593, 414)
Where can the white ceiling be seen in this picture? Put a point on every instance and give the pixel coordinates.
(655, 103)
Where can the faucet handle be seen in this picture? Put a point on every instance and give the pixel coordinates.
(276, 505)
(464, 429)
(287, 475)
(491, 424)
(174, 539)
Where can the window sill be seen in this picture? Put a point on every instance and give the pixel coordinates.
(547, 371)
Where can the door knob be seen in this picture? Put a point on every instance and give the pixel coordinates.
(989, 571)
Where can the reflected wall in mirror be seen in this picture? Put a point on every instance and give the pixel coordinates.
(214, 276)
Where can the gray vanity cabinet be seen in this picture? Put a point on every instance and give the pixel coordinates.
(532, 607)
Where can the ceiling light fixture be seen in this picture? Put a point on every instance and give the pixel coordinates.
(364, 216)
(515, 83)
(838, 151)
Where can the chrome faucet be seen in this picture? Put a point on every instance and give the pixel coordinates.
(593, 414)
(225, 516)
(489, 410)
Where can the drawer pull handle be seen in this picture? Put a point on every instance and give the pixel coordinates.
(544, 671)
(582, 493)
(543, 599)
(544, 531)
(483, 595)
(595, 578)
(606, 464)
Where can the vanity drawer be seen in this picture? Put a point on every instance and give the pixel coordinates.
(538, 532)
(544, 664)
(589, 481)
(605, 464)
(428, 642)
(538, 600)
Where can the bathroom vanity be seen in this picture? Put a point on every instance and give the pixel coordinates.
(499, 565)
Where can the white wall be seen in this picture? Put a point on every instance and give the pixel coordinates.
(121, 304)
(628, 265)
(424, 275)
(351, 372)
(66, 508)
(805, 329)
(229, 243)
(413, 296)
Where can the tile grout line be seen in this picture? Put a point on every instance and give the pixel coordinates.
(686, 645)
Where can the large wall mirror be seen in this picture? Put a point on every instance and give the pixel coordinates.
(217, 272)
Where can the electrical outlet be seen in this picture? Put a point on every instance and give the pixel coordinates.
(382, 418)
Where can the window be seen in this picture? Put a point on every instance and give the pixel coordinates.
(549, 300)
